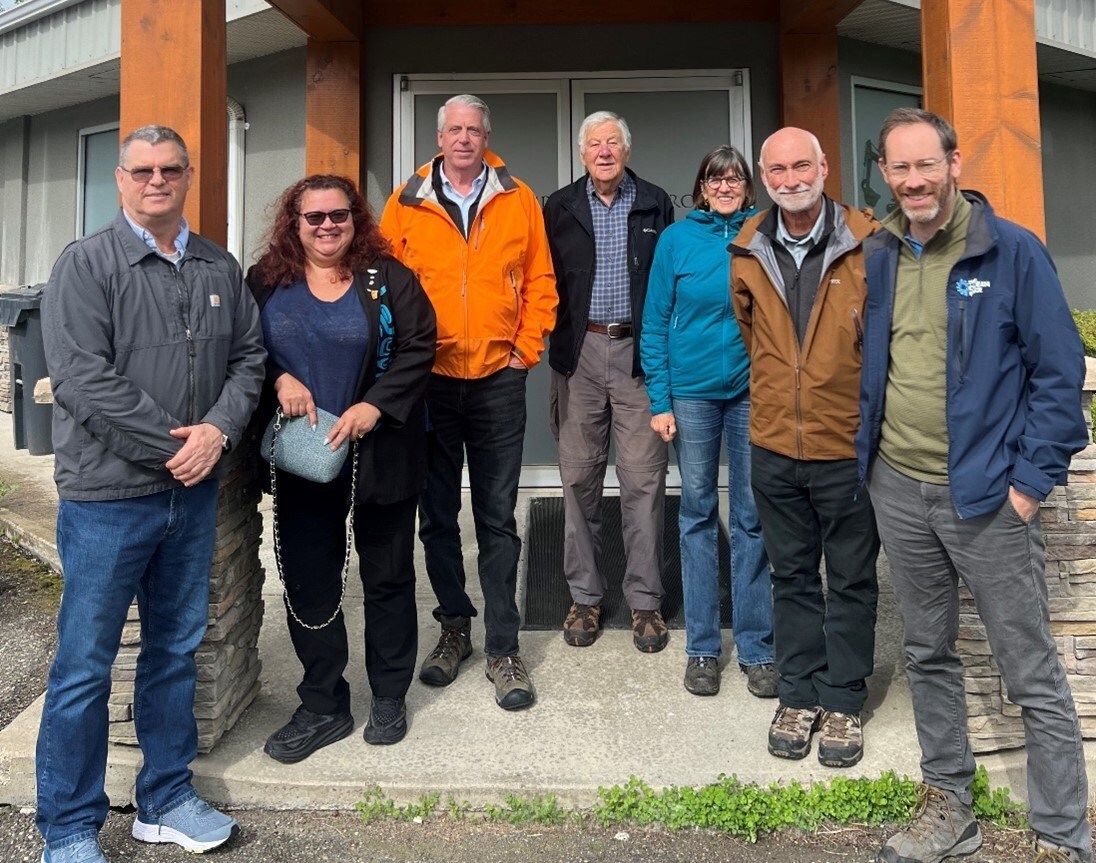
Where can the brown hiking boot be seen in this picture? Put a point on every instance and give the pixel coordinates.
(649, 631)
(582, 624)
(840, 739)
(455, 645)
(942, 826)
(513, 687)
(791, 730)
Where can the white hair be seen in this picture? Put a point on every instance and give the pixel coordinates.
(468, 102)
(599, 117)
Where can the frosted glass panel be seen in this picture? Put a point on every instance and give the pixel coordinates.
(100, 190)
(523, 134)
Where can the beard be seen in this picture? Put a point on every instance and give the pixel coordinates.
(800, 200)
(930, 211)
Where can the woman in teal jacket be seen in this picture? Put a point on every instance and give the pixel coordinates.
(697, 376)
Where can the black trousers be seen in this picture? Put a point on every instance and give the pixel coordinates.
(312, 527)
(824, 643)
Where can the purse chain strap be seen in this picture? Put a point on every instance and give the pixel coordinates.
(278, 539)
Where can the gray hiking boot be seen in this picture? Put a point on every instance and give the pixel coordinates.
(761, 680)
(513, 688)
(1048, 852)
(455, 645)
(942, 826)
(702, 675)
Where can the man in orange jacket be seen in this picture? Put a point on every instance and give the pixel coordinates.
(474, 235)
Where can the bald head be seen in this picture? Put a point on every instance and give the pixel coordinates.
(793, 169)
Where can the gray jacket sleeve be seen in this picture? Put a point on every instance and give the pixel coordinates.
(246, 368)
(78, 333)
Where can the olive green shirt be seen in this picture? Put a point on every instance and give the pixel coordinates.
(915, 435)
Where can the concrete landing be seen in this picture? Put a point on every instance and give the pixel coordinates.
(603, 713)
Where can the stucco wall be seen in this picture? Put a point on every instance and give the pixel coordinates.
(1068, 119)
(51, 190)
(271, 90)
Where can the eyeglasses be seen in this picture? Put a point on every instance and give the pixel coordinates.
(928, 168)
(713, 183)
(317, 217)
(170, 173)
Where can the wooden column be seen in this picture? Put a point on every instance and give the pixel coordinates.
(808, 73)
(979, 71)
(174, 73)
(334, 114)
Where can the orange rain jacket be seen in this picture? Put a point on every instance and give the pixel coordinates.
(493, 292)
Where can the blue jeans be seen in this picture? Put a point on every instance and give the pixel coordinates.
(701, 426)
(158, 548)
(484, 417)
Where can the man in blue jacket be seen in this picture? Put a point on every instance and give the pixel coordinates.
(970, 410)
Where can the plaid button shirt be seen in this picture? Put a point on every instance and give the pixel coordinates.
(611, 301)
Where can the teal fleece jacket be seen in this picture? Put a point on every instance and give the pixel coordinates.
(691, 347)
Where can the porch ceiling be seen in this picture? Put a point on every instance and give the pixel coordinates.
(897, 24)
(266, 32)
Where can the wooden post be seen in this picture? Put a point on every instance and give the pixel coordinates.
(979, 70)
(808, 73)
(174, 73)
(334, 101)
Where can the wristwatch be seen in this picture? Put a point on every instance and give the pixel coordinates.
(226, 444)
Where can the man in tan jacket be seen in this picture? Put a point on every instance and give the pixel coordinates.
(797, 281)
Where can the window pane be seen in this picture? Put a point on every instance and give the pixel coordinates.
(100, 190)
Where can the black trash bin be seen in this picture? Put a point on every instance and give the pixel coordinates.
(20, 312)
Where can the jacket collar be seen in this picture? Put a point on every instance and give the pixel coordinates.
(420, 185)
(136, 250)
(574, 198)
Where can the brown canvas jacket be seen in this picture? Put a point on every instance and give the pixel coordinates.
(804, 401)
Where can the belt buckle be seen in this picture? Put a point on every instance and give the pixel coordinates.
(615, 331)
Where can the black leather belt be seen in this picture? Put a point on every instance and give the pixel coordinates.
(613, 331)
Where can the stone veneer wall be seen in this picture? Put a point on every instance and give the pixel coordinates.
(1069, 524)
(5, 372)
(228, 658)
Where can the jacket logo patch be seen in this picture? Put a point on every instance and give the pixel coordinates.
(215, 300)
(970, 287)
(835, 281)
(649, 231)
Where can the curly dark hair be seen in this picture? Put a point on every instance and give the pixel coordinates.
(283, 262)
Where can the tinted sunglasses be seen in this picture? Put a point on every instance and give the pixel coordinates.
(171, 173)
(317, 217)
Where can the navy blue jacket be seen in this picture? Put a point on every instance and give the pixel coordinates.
(1015, 365)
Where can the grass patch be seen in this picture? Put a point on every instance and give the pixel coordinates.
(39, 585)
(745, 810)
(6, 488)
(1086, 326)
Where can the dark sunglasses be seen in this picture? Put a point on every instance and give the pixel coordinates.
(317, 217)
(170, 174)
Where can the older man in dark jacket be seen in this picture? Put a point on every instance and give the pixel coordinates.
(602, 231)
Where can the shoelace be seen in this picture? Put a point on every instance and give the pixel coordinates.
(705, 661)
(1052, 855)
(845, 723)
(932, 807)
(510, 669)
(788, 719)
(450, 640)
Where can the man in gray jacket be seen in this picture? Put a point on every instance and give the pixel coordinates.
(155, 354)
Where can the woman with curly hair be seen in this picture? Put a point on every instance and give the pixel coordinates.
(350, 331)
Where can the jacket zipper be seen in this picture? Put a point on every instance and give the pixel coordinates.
(962, 338)
(859, 332)
(184, 313)
(798, 406)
